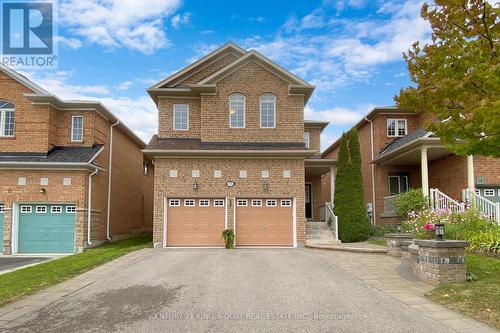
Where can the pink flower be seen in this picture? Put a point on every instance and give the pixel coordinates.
(429, 226)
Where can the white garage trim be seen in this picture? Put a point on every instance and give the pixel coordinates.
(225, 210)
(294, 221)
(165, 221)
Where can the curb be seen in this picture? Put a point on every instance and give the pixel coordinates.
(347, 249)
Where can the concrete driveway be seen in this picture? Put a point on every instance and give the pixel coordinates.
(10, 263)
(294, 290)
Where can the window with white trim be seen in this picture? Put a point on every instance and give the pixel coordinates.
(6, 118)
(219, 203)
(489, 192)
(242, 202)
(21, 181)
(189, 202)
(2, 208)
(181, 117)
(174, 202)
(195, 173)
(26, 209)
(265, 174)
(306, 139)
(70, 209)
(217, 173)
(77, 128)
(66, 181)
(478, 192)
(41, 209)
(44, 181)
(56, 209)
(286, 203)
(243, 174)
(267, 111)
(287, 173)
(256, 202)
(237, 111)
(396, 127)
(271, 203)
(172, 173)
(204, 202)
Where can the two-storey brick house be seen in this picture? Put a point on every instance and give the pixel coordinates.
(397, 153)
(71, 174)
(233, 152)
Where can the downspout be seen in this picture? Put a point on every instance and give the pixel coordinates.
(89, 212)
(109, 176)
(373, 171)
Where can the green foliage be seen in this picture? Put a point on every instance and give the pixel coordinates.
(354, 225)
(228, 236)
(382, 229)
(457, 76)
(470, 277)
(410, 201)
(486, 241)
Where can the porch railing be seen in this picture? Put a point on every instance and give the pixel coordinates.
(440, 201)
(486, 207)
(334, 226)
(389, 207)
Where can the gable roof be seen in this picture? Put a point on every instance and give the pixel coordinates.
(194, 67)
(23, 80)
(399, 142)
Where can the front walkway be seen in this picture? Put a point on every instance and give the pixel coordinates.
(393, 277)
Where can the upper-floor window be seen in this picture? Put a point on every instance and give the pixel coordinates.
(6, 118)
(396, 127)
(77, 128)
(267, 111)
(181, 117)
(237, 111)
(306, 139)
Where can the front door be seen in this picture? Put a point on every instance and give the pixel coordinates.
(308, 200)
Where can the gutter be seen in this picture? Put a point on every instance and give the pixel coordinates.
(227, 152)
(373, 173)
(429, 141)
(109, 176)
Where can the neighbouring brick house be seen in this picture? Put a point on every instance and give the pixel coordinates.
(57, 159)
(397, 153)
(233, 152)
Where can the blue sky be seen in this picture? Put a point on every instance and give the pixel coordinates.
(112, 50)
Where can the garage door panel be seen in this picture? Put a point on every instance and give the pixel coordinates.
(195, 226)
(264, 225)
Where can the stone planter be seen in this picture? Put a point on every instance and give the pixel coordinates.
(397, 244)
(439, 262)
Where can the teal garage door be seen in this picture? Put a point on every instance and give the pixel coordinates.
(46, 228)
(2, 214)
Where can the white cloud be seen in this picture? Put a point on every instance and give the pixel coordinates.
(70, 42)
(178, 20)
(338, 115)
(139, 114)
(137, 25)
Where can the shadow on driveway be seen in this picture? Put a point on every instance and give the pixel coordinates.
(9, 263)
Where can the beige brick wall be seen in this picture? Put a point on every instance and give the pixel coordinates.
(314, 137)
(209, 186)
(165, 117)
(210, 69)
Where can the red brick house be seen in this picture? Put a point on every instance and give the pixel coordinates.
(397, 153)
(233, 152)
(71, 174)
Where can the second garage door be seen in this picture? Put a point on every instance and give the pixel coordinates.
(264, 222)
(195, 222)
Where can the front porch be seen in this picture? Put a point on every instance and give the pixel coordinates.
(319, 173)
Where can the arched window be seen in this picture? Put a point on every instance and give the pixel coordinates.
(237, 111)
(267, 111)
(6, 118)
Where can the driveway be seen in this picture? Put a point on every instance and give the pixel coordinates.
(192, 290)
(9, 263)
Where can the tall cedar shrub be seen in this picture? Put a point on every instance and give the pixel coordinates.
(354, 225)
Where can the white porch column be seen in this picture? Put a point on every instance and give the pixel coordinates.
(333, 173)
(470, 172)
(424, 171)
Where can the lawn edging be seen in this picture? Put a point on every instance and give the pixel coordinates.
(29, 280)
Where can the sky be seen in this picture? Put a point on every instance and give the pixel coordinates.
(113, 50)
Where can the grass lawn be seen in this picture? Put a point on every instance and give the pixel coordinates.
(380, 242)
(31, 279)
(478, 299)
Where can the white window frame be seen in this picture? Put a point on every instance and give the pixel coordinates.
(73, 128)
(217, 173)
(287, 173)
(174, 202)
(189, 202)
(174, 117)
(41, 209)
(489, 192)
(265, 174)
(24, 209)
(244, 109)
(243, 173)
(396, 127)
(307, 137)
(172, 173)
(67, 181)
(256, 202)
(21, 181)
(270, 204)
(261, 100)
(219, 203)
(56, 209)
(195, 173)
(242, 202)
(286, 202)
(3, 117)
(477, 191)
(70, 209)
(2, 208)
(204, 202)
(44, 181)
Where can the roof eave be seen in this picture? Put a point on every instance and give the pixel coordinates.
(435, 142)
(227, 152)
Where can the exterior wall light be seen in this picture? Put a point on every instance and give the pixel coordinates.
(42, 190)
(399, 228)
(195, 185)
(439, 231)
(265, 186)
